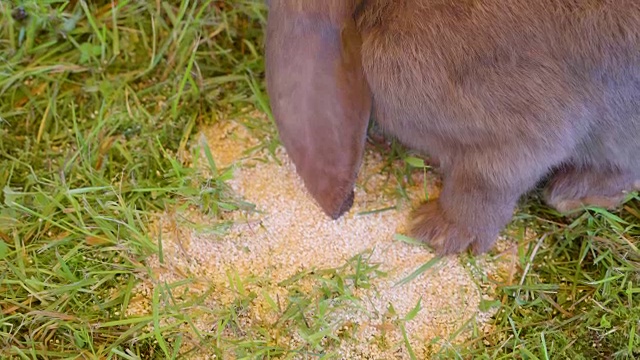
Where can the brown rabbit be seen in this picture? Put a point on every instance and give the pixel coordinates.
(502, 93)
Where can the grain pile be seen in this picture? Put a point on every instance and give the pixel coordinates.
(289, 234)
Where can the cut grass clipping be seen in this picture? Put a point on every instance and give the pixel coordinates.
(98, 101)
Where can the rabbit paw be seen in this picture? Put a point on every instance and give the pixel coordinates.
(429, 225)
(568, 206)
(573, 189)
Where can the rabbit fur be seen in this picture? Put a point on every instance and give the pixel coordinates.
(502, 93)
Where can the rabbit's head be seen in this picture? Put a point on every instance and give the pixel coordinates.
(318, 94)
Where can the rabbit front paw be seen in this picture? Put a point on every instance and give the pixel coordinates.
(430, 225)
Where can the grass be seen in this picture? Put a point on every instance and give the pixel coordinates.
(577, 292)
(99, 102)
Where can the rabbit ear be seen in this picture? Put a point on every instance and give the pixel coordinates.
(320, 99)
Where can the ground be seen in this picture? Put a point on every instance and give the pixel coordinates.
(287, 237)
(149, 211)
